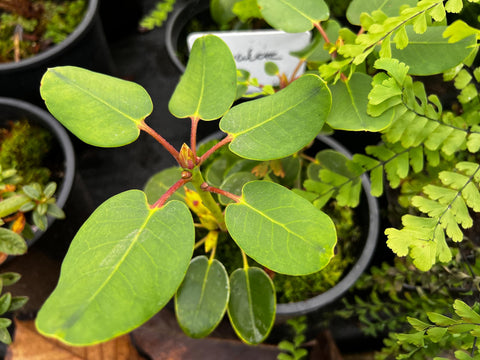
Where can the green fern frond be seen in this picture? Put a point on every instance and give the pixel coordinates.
(157, 16)
(447, 207)
(383, 30)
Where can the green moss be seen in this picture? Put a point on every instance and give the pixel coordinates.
(23, 147)
(54, 23)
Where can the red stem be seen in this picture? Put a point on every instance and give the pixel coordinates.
(215, 147)
(325, 37)
(294, 74)
(322, 32)
(163, 199)
(206, 187)
(143, 126)
(193, 136)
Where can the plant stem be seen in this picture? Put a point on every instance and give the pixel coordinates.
(193, 137)
(207, 198)
(297, 68)
(215, 147)
(215, 190)
(245, 260)
(143, 126)
(163, 199)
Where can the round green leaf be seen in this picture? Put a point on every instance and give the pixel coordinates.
(350, 100)
(279, 125)
(201, 300)
(252, 304)
(208, 87)
(99, 109)
(281, 230)
(234, 183)
(293, 16)
(12, 243)
(424, 50)
(123, 266)
(159, 183)
(390, 8)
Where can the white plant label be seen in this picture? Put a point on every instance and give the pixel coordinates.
(253, 48)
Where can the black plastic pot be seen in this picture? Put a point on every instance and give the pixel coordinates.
(61, 151)
(85, 46)
(175, 36)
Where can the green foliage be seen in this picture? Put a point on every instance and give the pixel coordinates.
(292, 350)
(357, 81)
(465, 324)
(157, 16)
(8, 303)
(23, 148)
(48, 22)
(389, 294)
(62, 19)
(24, 185)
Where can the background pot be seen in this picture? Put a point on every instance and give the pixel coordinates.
(85, 46)
(175, 35)
(62, 148)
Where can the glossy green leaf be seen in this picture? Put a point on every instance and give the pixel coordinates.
(9, 278)
(159, 183)
(252, 304)
(101, 110)
(201, 300)
(123, 266)
(349, 104)
(390, 8)
(18, 302)
(5, 302)
(293, 16)
(5, 336)
(234, 184)
(424, 50)
(12, 243)
(280, 229)
(208, 87)
(279, 125)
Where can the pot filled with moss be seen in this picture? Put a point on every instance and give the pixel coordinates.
(35, 35)
(37, 168)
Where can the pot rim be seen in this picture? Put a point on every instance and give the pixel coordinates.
(57, 49)
(175, 24)
(42, 117)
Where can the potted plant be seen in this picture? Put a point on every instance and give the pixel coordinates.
(369, 75)
(40, 34)
(36, 156)
(317, 230)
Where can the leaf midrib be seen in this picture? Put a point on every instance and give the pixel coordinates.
(272, 118)
(114, 269)
(97, 98)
